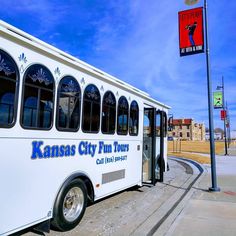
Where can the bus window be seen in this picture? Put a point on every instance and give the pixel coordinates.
(68, 108)
(161, 120)
(91, 109)
(37, 106)
(8, 90)
(122, 116)
(134, 117)
(108, 113)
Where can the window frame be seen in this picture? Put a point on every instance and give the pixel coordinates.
(38, 87)
(132, 133)
(165, 120)
(158, 132)
(117, 123)
(67, 129)
(82, 123)
(16, 94)
(115, 106)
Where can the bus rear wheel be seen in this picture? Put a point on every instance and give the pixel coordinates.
(70, 205)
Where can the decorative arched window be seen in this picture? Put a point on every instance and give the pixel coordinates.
(68, 106)
(108, 113)
(9, 80)
(133, 118)
(91, 109)
(122, 116)
(38, 98)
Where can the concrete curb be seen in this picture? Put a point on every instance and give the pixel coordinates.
(207, 212)
(161, 220)
(170, 223)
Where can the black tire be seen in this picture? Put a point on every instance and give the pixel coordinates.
(70, 205)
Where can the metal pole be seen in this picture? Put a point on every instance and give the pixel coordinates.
(214, 187)
(223, 91)
(228, 122)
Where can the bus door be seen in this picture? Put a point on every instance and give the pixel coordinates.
(160, 134)
(153, 146)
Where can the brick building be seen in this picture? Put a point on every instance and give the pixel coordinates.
(187, 129)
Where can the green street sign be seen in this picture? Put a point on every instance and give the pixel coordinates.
(218, 100)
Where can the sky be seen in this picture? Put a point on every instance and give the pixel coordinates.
(137, 41)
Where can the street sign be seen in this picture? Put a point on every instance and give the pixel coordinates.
(191, 2)
(191, 39)
(223, 114)
(218, 100)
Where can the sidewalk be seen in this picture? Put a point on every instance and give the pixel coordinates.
(232, 149)
(210, 213)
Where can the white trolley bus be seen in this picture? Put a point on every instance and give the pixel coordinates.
(69, 134)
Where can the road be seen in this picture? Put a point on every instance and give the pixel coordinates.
(136, 211)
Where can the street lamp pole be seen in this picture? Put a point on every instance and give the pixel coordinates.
(225, 116)
(223, 94)
(228, 124)
(214, 187)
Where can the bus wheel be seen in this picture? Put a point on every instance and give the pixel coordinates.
(70, 205)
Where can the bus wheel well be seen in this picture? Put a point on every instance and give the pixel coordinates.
(86, 181)
(88, 185)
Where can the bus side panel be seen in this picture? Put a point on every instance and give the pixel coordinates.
(32, 171)
(120, 169)
(30, 179)
(34, 164)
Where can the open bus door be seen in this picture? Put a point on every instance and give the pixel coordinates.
(153, 145)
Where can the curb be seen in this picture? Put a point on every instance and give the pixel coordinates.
(175, 204)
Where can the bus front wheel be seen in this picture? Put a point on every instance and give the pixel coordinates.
(70, 205)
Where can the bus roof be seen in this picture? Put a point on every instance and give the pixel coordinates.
(33, 41)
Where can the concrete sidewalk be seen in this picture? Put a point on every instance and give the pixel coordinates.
(210, 213)
(232, 149)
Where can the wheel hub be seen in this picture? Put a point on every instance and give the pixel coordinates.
(73, 204)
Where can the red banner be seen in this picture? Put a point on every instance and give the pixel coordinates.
(223, 114)
(191, 39)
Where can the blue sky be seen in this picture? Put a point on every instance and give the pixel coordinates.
(137, 41)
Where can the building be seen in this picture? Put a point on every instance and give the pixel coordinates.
(187, 129)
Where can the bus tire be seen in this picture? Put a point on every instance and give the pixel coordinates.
(70, 205)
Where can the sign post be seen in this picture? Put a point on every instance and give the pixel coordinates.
(214, 187)
(224, 113)
(191, 42)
